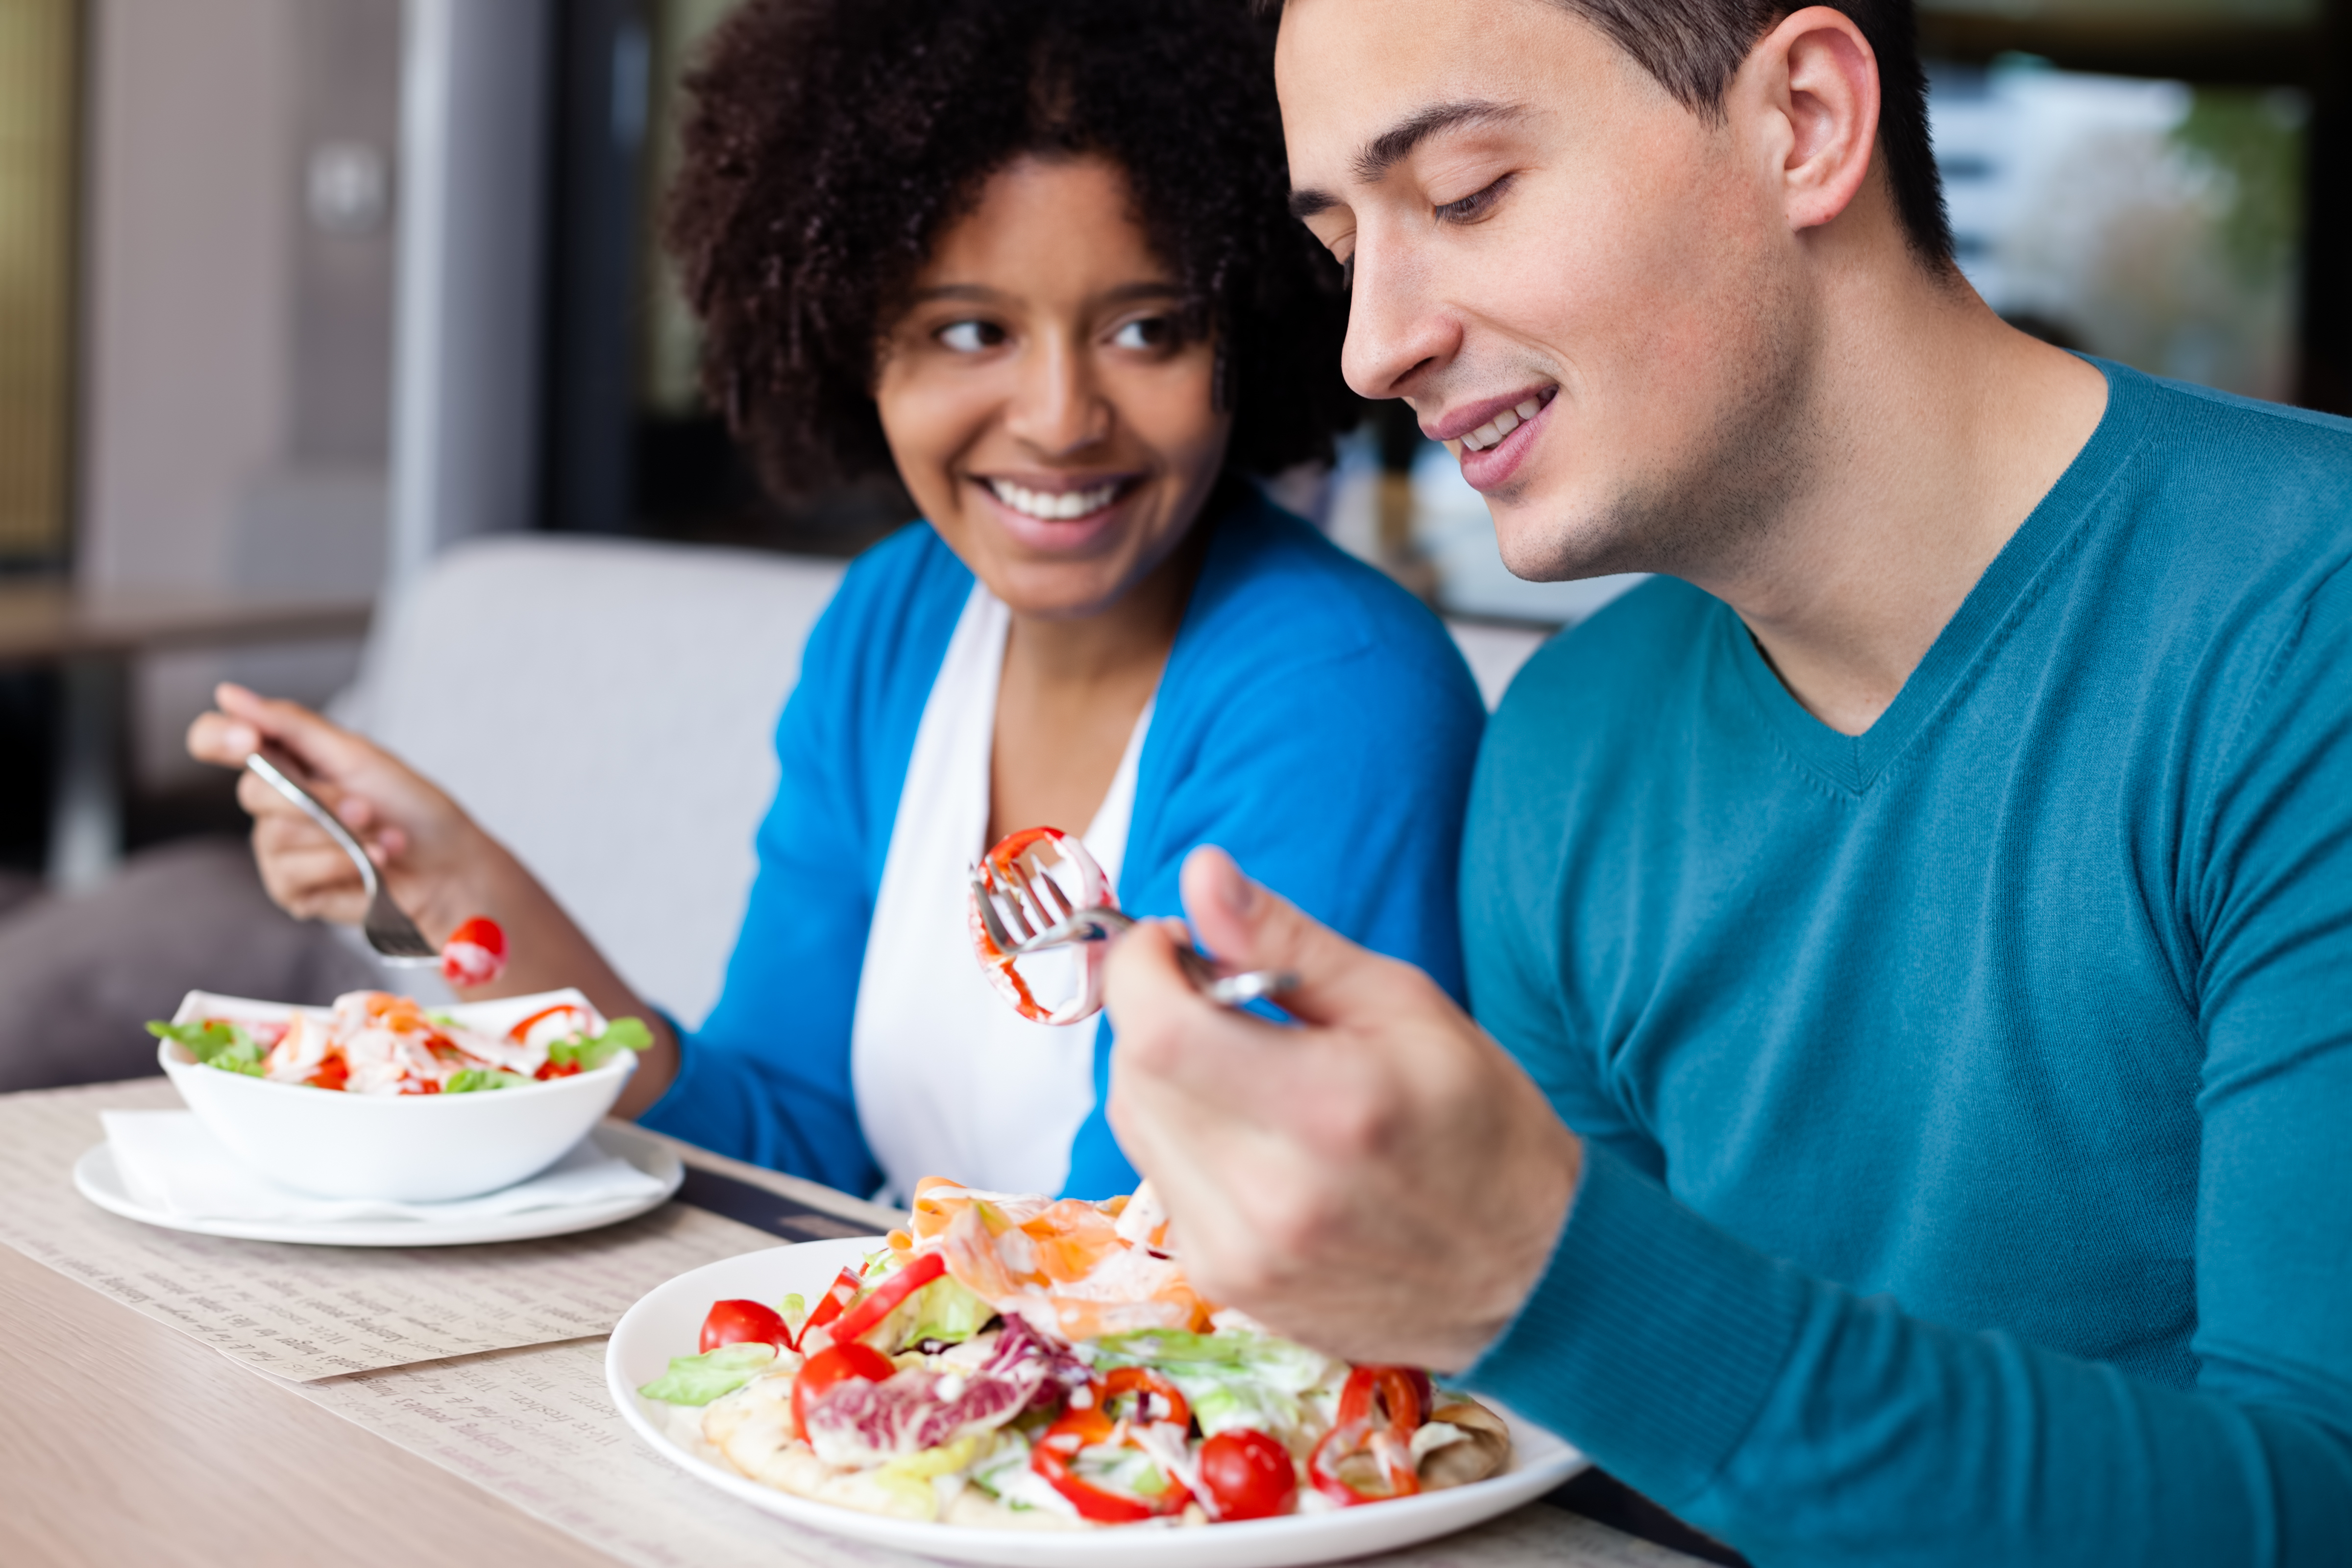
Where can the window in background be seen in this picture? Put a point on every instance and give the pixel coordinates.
(691, 481)
(37, 74)
(2150, 222)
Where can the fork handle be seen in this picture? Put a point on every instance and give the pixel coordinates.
(1234, 990)
(316, 810)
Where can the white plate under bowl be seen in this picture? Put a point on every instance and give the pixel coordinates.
(668, 1322)
(98, 1180)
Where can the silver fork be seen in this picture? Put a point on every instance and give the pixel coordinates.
(1029, 914)
(390, 932)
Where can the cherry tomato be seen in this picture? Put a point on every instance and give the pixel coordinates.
(475, 954)
(739, 1322)
(1248, 1473)
(838, 1365)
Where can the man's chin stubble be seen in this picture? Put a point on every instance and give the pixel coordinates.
(1707, 520)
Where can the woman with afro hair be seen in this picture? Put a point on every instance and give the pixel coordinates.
(1034, 257)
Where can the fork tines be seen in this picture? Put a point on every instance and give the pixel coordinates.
(1015, 909)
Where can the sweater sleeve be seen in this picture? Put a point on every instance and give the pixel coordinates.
(766, 1078)
(1805, 1423)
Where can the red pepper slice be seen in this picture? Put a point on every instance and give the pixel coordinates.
(1404, 1393)
(1379, 1408)
(837, 1295)
(1390, 1449)
(868, 1315)
(1055, 1455)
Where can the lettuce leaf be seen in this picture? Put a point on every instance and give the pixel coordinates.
(477, 1081)
(699, 1379)
(946, 1312)
(216, 1044)
(590, 1052)
(1233, 1380)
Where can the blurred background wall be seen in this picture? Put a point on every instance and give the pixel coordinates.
(235, 400)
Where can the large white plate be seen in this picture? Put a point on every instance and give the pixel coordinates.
(668, 1320)
(98, 1180)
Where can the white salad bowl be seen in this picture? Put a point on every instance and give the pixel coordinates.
(409, 1148)
(668, 1322)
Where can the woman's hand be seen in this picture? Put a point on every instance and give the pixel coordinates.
(430, 855)
(439, 866)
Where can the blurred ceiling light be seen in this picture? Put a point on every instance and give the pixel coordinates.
(347, 187)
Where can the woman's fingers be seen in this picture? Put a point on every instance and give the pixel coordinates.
(245, 721)
(306, 874)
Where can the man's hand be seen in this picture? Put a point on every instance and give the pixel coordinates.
(1383, 1183)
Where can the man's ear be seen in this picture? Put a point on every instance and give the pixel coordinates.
(1818, 75)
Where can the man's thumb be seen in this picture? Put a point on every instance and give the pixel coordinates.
(1243, 926)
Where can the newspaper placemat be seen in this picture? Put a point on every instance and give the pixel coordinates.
(305, 1312)
(538, 1428)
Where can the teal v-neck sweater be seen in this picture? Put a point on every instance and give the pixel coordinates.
(1966, 1104)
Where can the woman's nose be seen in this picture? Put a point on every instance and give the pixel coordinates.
(1057, 409)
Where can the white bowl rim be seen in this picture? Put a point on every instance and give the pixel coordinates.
(171, 1053)
(624, 1064)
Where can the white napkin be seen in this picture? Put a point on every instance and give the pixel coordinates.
(171, 1160)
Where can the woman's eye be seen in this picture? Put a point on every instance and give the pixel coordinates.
(1151, 332)
(970, 337)
(1474, 205)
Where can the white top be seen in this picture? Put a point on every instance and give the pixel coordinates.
(952, 1081)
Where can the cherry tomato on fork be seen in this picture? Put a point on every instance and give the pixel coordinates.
(743, 1322)
(1248, 1474)
(475, 954)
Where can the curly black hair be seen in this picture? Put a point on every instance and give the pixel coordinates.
(829, 143)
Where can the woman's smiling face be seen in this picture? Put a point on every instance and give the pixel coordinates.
(1044, 406)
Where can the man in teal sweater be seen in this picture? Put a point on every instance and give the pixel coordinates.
(1917, 929)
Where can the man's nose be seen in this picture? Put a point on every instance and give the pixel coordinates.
(1398, 328)
(1056, 407)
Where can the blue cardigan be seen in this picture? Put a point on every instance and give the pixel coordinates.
(1313, 718)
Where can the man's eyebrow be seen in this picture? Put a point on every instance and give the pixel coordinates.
(1392, 146)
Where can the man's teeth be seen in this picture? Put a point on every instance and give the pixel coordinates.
(1502, 424)
(1056, 505)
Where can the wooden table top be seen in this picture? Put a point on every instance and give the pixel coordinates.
(42, 619)
(126, 1441)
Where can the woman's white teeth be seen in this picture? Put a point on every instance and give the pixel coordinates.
(1502, 424)
(1057, 505)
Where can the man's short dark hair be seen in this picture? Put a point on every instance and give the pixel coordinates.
(1694, 48)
